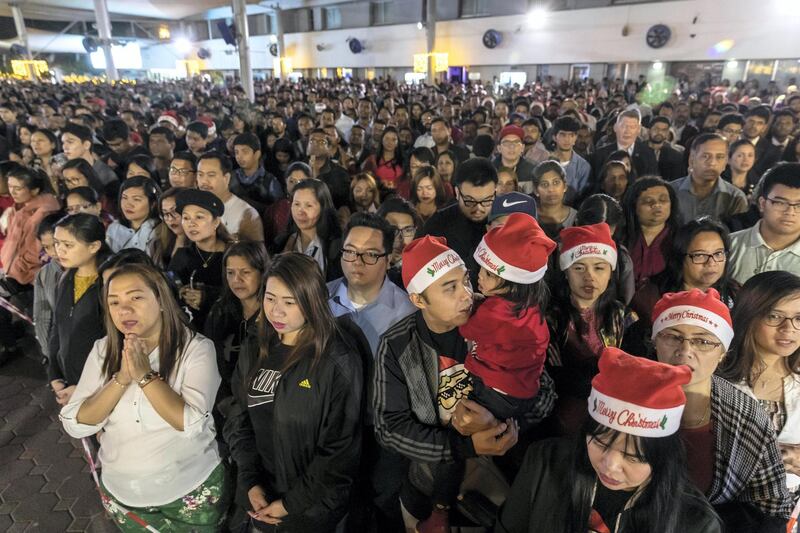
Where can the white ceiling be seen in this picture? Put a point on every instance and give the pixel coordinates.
(159, 9)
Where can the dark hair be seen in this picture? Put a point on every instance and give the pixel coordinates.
(32, 178)
(86, 170)
(423, 154)
(302, 276)
(548, 166)
(396, 204)
(328, 227)
(659, 505)
(663, 120)
(175, 333)
(301, 166)
(783, 173)
(477, 171)
(50, 137)
(200, 128)
(146, 163)
(87, 229)
(224, 161)
(166, 132)
(187, 156)
(451, 155)
(84, 133)
(737, 144)
(397, 157)
(730, 118)
(438, 185)
(754, 301)
(704, 138)
(600, 208)
(373, 221)
(760, 111)
(248, 139)
(151, 190)
(631, 174)
(162, 246)
(566, 123)
(86, 193)
(671, 279)
(115, 128)
(256, 256)
(48, 223)
(632, 230)
(126, 256)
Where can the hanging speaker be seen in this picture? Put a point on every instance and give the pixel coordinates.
(492, 39)
(203, 53)
(228, 32)
(355, 45)
(273, 49)
(89, 44)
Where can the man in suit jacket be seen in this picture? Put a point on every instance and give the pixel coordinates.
(769, 148)
(627, 129)
(670, 161)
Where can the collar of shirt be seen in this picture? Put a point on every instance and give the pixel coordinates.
(686, 185)
(384, 298)
(757, 241)
(781, 144)
(249, 180)
(628, 149)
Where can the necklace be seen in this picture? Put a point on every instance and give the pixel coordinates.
(706, 413)
(204, 261)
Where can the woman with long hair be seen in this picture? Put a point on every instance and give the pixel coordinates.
(764, 359)
(615, 178)
(364, 194)
(427, 192)
(314, 228)
(80, 243)
(741, 160)
(387, 163)
(652, 217)
(86, 200)
(276, 216)
(169, 234)
(141, 165)
(550, 190)
(44, 144)
(697, 259)
(585, 317)
(446, 164)
(234, 314)
(197, 267)
(138, 205)
(147, 389)
(614, 475)
(732, 454)
(295, 428)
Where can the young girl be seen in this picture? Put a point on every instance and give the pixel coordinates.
(550, 189)
(586, 317)
(509, 337)
(138, 203)
(78, 316)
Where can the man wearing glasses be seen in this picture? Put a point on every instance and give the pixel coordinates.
(511, 148)
(464, 223)
(774, 242)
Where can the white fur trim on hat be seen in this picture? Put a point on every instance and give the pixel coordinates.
(695, 316)
(588, 249)
(634, 419)
(168, 118)
(489, 260)
(433, 270)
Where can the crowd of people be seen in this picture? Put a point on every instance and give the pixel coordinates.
(369, 306)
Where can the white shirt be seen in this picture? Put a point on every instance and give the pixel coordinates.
(235, 210)
(146, 462)
(314, 250)
(120, 236)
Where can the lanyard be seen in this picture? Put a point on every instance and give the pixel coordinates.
(110, 505)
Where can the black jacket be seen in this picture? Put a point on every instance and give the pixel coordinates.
(671, 165)
(644, 159)
(539, 499)
(317, 441)
(75, 328)
(462, 234)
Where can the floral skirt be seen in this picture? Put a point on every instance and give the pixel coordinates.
(202, 510)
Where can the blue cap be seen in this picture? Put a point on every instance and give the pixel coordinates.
(513, 202)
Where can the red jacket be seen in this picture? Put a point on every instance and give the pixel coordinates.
(509, 352)
(20, 252)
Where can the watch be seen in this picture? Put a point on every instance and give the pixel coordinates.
(147, 378)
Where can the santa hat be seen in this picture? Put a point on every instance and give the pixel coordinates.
(212, 128)
(516, 251)
(171, 117)
(638, 396)
(425, 261)
(593, 240)
(694, 308)
(511, 129)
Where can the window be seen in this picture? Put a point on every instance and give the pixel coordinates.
(474, 8)
(397, 12)
(332, 17)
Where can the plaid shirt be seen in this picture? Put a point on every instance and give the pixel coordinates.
(747, 462)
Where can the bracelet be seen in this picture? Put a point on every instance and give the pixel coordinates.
(115, 380)
(148, 378)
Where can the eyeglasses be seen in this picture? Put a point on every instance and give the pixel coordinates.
(699, 258)
(318, 141)
(170, 215)
(674, 342)
(776, 320)
(471, 202)
(368, 258)
(405, 231)
(511, 144)
(181, 171)
(784, 206)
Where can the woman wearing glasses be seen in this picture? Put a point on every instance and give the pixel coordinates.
(169, 235)
(697, 259)
(732, 453)
(765, 357)
(183, 170)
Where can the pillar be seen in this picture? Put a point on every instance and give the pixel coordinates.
(243, 43)
(430, 34)
(280, 42)
(22, 31)
(104, 30)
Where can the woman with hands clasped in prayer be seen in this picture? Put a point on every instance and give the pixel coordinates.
(147, 391)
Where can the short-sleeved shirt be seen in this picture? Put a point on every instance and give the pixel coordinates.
(750, 255)
(724, 201)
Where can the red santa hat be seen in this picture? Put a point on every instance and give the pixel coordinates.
(694, 308)
(512, 129)
(171, 117)
(425, 261)
(208, 121)
(516, 251)
(638, 396)
(593, 240)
